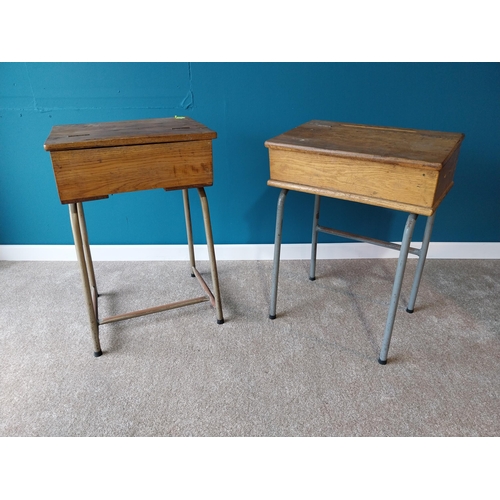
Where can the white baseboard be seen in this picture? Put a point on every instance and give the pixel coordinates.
(302, 251)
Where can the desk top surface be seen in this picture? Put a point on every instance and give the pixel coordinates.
(407, 146)
(126, 133)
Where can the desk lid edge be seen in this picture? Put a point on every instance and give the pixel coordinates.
(126, 133)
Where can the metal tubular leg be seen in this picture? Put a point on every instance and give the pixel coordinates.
(314, 241)
(88, 258)
(84, 270)
(86, 246)
(211, 254)
(277, 251)
(189, 230)
(396, 290)
(421, 262)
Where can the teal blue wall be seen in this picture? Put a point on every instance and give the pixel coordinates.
(245, 103)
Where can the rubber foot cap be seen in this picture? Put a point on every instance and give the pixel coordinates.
(98, 353)
(192, 275)
(272, 317)
(312, 279)
(409, 311)
(382, 362)
(220, 321)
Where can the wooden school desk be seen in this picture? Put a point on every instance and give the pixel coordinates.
(95, 160)
(401, 169)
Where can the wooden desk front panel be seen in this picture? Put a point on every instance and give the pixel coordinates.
(417, 189)
(84, 174)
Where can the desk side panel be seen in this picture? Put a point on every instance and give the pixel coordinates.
(376, 180)
(446, 175)
(86, 174)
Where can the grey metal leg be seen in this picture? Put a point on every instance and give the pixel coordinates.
(396, 290)
(314, 241)
(81, 246)
(421, 262)
(211, 254)
(189, 230)
(277, 251)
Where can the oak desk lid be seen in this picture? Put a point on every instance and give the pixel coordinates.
(126, 133)
(389, 145)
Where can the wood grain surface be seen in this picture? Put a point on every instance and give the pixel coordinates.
(126, 133)
(84, 174)
(94, 160)
(403, 169)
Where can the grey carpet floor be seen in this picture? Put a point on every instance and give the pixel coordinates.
(311, 372)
